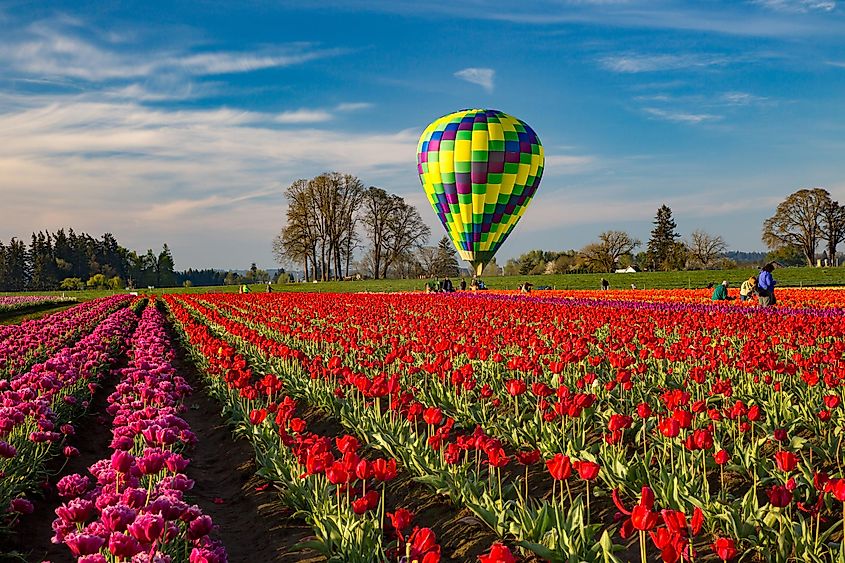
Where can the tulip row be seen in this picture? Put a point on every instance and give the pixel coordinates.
(465, 465)
(695, 385)
(135, 508)
(39, 407)
(24, 344)
(331, 483)
(790, 297)
(9, 303)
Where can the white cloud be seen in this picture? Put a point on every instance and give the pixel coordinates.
(481, 76)
(741, 99)
(566, 164)
(797, 6)
(303, 116)
(353, 106)
(206, 181)
(682, 116)
(636, 63)
(53, 49)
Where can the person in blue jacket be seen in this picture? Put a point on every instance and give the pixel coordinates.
(766, 286)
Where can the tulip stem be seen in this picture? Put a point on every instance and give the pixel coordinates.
(642, 546)
(588, 501)
(526, 483)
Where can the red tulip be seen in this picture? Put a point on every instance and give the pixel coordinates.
(498, 554)
(433, 416)
(347, 444)
(725, 548)
(559, 467)
(779, 496)
(669, 427)
(528, 458)
(384, 470)
(786, 461)
(400, 519)
(337, 474)
(721, 457)
(643, 518)
(257, 416)
(515, 387)
(838, 489)
(587, 470)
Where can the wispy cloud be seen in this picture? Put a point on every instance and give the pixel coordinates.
(742, 99)
(730, 17)
(187, 171)
(797, 6)
(481, 76)
(636, 63)
(53, 49)
(682, 116)
(353, 106)
(303, 116)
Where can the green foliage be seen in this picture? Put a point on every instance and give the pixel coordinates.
(787, 255)
(97, 281)
(72, 284)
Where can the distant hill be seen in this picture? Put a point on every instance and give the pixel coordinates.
(741, 257)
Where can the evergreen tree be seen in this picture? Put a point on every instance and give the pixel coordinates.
(446, 263)
(166, 277)
(17, 266)
(661, 247)
(3, 274)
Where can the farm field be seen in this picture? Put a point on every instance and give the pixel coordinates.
(787, 277)
(646, 425)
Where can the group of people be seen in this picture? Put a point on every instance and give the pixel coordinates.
(446, 286)
(761, 286)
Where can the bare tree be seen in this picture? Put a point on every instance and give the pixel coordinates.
(705, 248)
(428, 259)
(833, 228)
(394, 229)
(406, 231)
(379, 206)
(297, 242)
(602, 256)
(798, 222)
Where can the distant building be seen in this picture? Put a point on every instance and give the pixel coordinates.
(628, 270)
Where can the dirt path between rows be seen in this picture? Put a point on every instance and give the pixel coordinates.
(253, 524)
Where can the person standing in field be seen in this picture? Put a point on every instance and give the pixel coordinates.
(748, 288)
(721, 292)
(605, 285)
(766, 286)
(463, 284)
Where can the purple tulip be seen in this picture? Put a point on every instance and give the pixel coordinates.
(123, 546)
(147, 528)
(73, 485)
(84, 544)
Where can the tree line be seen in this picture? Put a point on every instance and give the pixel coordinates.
(69, 260)
(801, 222)
(616, 249)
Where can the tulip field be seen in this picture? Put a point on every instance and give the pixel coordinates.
(565, 425)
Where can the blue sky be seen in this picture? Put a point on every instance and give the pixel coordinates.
(182, 122)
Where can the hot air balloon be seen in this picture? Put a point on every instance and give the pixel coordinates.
(479, 168)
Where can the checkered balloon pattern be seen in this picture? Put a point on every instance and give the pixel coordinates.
(479, 168)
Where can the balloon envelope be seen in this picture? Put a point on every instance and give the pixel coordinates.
(479, 168)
